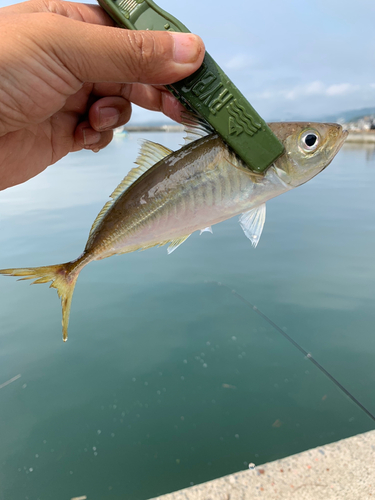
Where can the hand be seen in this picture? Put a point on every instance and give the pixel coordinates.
(68, 76)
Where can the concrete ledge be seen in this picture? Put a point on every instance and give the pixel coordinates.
(361, 137)
(338, 471)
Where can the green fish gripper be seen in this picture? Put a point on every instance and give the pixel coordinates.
(208, 91)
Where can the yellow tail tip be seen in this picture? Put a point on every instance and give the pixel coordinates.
(63, 278)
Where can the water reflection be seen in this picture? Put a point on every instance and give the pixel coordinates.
(166, 373)
(367, 149)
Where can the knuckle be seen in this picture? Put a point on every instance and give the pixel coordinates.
(146, 46)
(145, 51)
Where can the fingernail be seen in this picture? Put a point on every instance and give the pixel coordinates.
(108, 117)
(187, 47)
(90, 136)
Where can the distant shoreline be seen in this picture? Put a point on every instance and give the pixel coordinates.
(365, 137)
(152, 128)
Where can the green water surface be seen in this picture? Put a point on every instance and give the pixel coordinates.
(168, 378)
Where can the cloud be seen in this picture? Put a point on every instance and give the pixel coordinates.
(312, 88)
(341, 89)
(239, 61)
(315, 88)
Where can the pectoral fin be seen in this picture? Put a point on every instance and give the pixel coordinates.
(252, 223)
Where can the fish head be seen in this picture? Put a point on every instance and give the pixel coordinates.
(309, 148)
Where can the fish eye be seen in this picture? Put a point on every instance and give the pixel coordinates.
(309, 140)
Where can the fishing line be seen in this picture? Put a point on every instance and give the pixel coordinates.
(299, 347)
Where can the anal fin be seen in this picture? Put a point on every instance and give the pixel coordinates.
(176, 243)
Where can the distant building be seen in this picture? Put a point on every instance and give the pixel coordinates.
(362, 124)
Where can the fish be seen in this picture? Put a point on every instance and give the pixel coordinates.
(171, 194)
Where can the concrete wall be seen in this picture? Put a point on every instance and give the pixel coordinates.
(338, 471)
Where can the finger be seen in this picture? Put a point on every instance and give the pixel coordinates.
(110, 88)
(159, 87)
(171, 107)
(154, 98)
(85, 137)
(77, 103)
(109, 113)
(80, 12)
(103, 54)
(150, 97)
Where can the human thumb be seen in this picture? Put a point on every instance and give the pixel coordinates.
(95, 53)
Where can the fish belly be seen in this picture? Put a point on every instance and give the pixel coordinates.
(210, 198)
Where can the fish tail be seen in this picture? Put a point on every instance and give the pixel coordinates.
(63, 278)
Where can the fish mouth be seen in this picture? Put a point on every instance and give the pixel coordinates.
(341, 139)
(344, 135)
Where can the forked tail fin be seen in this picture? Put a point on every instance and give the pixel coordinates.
(63, 277)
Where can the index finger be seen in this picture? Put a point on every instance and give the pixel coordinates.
(152, 97)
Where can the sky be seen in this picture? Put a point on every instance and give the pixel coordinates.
(291, 59)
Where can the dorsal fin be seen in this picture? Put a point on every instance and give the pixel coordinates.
(149, 154)
(195, 127)
(98, 219)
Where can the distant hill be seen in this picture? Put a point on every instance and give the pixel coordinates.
(349, 116)
(344, 116)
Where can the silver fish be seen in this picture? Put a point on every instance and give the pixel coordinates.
(172, 194)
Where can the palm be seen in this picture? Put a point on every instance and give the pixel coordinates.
(28, 151)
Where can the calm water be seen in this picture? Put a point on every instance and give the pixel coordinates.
(168, 378)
